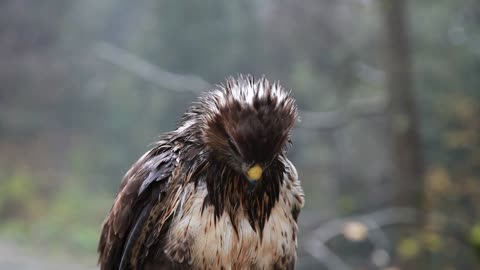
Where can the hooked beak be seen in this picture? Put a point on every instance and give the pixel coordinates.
(254, 173)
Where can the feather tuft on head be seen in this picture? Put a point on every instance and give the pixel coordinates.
(247, 122)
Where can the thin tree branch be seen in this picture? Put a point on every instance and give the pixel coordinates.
(329, 120)
(148, 71)
(317, 247)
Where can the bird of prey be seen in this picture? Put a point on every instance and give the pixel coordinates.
(218, 192)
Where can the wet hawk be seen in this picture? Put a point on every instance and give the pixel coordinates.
(216, 193)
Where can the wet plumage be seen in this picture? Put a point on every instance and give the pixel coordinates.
(216, 193)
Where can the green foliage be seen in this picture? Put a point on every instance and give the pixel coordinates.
(70, 219)
(15, 190)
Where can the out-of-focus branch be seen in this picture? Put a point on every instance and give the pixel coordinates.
(368, 226)
(148, 71)
(357, 108)
(372, 221)
(321, 121)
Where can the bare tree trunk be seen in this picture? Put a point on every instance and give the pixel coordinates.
(407, 149)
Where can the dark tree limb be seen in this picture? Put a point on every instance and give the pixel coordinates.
(407, 148)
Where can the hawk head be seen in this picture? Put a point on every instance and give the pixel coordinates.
(247, 124)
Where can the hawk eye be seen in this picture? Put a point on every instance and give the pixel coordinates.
(233, 147)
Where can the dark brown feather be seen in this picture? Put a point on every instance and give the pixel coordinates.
(125, 224)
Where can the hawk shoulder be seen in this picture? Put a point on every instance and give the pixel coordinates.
(141, 208)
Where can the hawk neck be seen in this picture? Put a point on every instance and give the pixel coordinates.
(229, 193)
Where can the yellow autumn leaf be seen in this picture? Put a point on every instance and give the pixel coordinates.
(475, 234)
(460, 138)
(408, 247)
(463, 108)
(438, 179)
(432, 241)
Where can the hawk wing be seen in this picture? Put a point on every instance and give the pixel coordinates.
(141, 211)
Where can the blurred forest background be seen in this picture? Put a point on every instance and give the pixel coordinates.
(388, 148)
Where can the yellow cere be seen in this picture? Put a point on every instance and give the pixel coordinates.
(255, 172)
